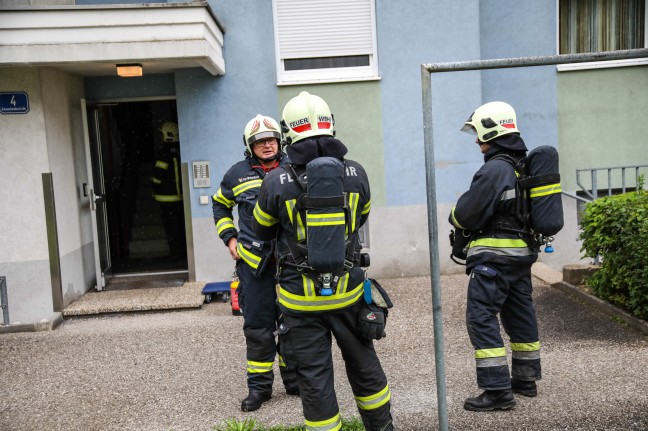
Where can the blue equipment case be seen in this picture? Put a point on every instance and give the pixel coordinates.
(219, 289)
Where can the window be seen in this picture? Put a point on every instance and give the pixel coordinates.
(325, 40)
(601, 25)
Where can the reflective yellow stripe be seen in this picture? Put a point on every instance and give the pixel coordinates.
(162, 165)
(549, 189)
(167, 198)
(220, 198)
(366, 208)
(299, 227)
(354, 198)
(498, 243)
(490, 353)
(343, 283)
(249, 258)
(309, 286)
(333, 424)
(176, 176)
(454, 219)
(525, 347)
(156, 181)
(374, 401)
(224, 223)
(246, 186)
(332, 219)
(282, 363)
(319, 303)
(258, 367)
(263, 217)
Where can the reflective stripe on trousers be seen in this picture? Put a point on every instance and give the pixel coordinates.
(505, 290)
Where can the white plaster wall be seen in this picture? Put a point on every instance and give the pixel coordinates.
(62, 93)
(400, 242)
(213, 261)
(24, 252)
(24, 159)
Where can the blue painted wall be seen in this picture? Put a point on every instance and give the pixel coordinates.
(213, 111)
(523, 29)
(421, 32)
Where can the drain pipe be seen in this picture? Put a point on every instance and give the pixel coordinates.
(3, 300)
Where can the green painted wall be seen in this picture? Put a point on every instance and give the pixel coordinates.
(602, 120)
(357, 110)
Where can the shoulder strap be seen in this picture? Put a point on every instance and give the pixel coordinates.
(290, 168)
(518, 165)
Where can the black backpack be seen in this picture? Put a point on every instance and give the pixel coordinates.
(537, 199)
(326, 254)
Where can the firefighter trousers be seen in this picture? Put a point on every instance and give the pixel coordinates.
(505, 290)
(257, 299)
(306, 341)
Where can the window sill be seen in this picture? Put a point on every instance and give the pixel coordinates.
(602, 64)
(326, 80)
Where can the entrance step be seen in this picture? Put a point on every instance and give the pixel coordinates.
(187, 296)
(147, 218)
(149, 248)
(139, 233)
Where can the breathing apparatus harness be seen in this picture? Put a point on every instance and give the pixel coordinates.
(324, 263)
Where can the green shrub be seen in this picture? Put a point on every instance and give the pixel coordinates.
(352, 424)
(616, 229)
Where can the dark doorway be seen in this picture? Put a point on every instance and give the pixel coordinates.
(141, 239)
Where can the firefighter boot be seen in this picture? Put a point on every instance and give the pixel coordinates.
(528, 389)
(254, 401)
(491, 400)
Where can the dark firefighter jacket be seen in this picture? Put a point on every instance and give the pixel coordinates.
(273, 215)
(488, 206)
(240, 186)
(167, 182)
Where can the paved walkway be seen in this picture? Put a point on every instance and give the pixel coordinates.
(185, 370)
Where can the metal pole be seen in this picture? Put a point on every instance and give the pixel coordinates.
(4, 300)
(502, 63)
(433, 235)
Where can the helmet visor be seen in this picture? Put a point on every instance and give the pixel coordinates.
(469, 128)
(263, 135)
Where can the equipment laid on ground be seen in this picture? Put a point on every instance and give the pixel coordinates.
(223, 291)
(236, 308)
(218, 291)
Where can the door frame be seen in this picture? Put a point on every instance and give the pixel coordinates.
(103, 275)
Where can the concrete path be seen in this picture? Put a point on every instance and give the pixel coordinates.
(185, 370)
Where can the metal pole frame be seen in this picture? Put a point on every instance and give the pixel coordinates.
(426, 93)
(4, 302)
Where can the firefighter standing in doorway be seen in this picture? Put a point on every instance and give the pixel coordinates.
(167, 190)
(254, 258)
(311, 319)
(499, 263)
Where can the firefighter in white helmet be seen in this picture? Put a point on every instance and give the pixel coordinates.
(167, 190)
(254, 258)
(499, 260)
(312, 318)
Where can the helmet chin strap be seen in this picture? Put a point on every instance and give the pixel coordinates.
(275, 156)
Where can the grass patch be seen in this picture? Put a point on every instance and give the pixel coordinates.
(249, 424)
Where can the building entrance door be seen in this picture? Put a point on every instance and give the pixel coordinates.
(135, 234)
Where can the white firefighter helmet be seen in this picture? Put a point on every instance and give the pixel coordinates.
(169, 132)
(492, 120)
(304, 116)
(260, 127)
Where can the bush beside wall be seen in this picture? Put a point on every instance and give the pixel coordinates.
(615, 229)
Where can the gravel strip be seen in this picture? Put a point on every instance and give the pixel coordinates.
(185, 370)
